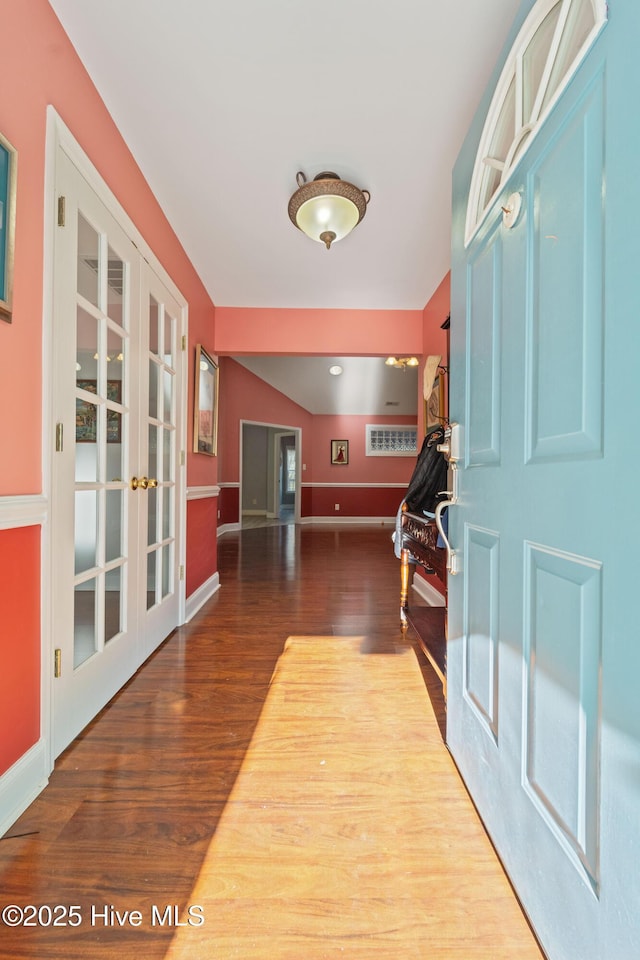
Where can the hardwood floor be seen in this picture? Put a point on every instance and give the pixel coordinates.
(295, 793)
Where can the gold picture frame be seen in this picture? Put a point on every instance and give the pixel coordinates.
(205, 406)
(435, 393)
(8, 191)
(340, 452)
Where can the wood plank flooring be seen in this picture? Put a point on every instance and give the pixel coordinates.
(277, 766)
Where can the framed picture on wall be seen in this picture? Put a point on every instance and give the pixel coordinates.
(205, 407)
(8, 169)
(434, 390)
(340, 452)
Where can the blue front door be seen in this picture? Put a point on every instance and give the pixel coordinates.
(544, 647)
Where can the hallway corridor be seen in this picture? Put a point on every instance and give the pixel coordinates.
(271, 784)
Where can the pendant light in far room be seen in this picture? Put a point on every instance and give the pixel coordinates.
(327, 208)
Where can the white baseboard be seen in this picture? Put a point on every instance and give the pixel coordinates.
(21, 784)
(428, 592)
(228, 528)
(200, 596)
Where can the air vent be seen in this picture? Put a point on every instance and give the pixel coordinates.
(392, 403)
(115, 272)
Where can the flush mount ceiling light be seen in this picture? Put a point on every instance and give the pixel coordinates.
(327, 208)
(401, 363)
(335, 370)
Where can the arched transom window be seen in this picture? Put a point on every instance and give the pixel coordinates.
(548, 50)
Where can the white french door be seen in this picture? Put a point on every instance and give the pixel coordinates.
(158, 453)
(117, 395)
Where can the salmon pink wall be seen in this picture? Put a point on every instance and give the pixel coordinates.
(243, 396)
(340, 332)
(20, 673)
(435, 339)
(361, 468)
(433, 316)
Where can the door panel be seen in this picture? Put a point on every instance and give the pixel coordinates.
(563, 663)
(94, 581)
(117, 395)
(542, 655)
(159, 457)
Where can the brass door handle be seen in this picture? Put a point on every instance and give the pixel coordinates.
(143, 483)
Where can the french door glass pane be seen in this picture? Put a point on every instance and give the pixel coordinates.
(166, 513)
(152, 507)
(85, 641)
(152, 467)
(167, 391)
(88, 261)
(87, 430)
(169, 339)
(116, 293)
(153, 389)
(154, 326)
(166, 571)
(113, 604)
(115, 446)
(151, 579)
(113, 525)
(86, 345)
(115, 365)
(167, 445)
(86, 530)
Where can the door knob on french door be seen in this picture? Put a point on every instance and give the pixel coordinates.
(142, 482)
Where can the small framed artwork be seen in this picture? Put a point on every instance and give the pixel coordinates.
(205, 407)
(340, 452)
(8, 169)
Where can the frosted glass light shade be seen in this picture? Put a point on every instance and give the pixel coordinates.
(328, 213)
(327, 208)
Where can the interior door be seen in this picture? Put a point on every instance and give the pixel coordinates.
(543, 655)
(159, 456)
(116, 398)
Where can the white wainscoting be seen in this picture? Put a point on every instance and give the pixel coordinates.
(26, 511)
(202, 493)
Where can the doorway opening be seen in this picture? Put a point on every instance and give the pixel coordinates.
(270, 472)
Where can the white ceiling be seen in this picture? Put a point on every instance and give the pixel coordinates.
(366, 386)
(223, 101)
